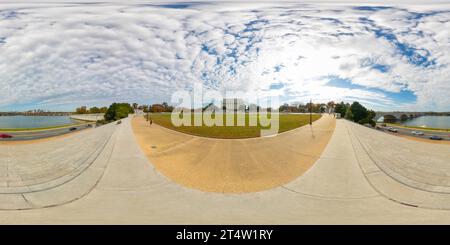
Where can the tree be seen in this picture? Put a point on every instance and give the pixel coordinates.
(167, 107)
(322, 108)
(284, 108)
(81, 110)
(103, 109)
(349, 114)
(146, 108)
(371, 114)
(117, 111)
(341, 108)
(404, 117)
(389, 119)
(330, 106)
(94, 110)
(359, 112)
(369, 119)
(157, 108)
(135, 106)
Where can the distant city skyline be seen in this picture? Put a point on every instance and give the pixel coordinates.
(61, 56)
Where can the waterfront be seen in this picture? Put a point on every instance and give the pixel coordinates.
(429, 122)
(9, 122)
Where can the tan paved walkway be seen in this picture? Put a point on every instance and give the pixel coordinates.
(233, 165)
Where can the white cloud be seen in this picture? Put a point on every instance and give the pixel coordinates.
(65, 55)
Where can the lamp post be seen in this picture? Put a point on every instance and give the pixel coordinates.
(310, 112)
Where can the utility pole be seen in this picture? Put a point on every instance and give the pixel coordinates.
(310, 112)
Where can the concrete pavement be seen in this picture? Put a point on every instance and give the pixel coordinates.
(337, 189)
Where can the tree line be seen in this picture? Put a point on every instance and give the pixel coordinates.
(355, 112)
(92, 110)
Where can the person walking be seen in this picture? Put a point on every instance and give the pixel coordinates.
(151, 122)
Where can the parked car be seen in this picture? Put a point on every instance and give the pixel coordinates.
(435, 137)
(5, 136)
(418, 133)
(72, 129)
(393, 130)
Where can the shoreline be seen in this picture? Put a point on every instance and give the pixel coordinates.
(41, 140)
(41, 128)
(420, 128)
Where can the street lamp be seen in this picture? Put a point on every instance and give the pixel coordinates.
(310, 112)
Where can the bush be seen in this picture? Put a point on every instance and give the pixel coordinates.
(368, 121)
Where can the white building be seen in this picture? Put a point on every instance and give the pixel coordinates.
(233, 105)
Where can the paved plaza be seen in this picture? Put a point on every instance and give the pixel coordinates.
(105, 176)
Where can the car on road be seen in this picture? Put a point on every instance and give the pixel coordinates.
(418, 133)
(393, 130)
(119, 122)
(5, 136)
(435, 137)
(72, 129)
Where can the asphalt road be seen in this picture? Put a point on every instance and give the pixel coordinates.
(427, 133)
(40, 134)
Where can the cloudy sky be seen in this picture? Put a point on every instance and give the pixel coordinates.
(57, 56)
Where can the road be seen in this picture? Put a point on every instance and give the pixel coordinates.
(427, 133)
(40, 134)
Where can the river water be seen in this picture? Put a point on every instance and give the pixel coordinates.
(34, 121)
(429, 121)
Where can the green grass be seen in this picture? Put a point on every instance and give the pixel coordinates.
(286, 122)
(38, 129)
(416, 127)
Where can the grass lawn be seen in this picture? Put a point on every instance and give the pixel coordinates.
(286, 122)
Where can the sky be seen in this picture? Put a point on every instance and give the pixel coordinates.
(58, 56)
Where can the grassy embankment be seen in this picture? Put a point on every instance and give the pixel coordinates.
(39, 129)
(286, 122)
(417, 127)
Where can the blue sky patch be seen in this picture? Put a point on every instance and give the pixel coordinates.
(404, 96)
(411, 53)
(371, 8)
(276, 86)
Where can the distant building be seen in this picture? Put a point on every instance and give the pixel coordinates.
(138, 111)
(233, 105)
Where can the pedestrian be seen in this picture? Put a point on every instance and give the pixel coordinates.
(151, 122)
